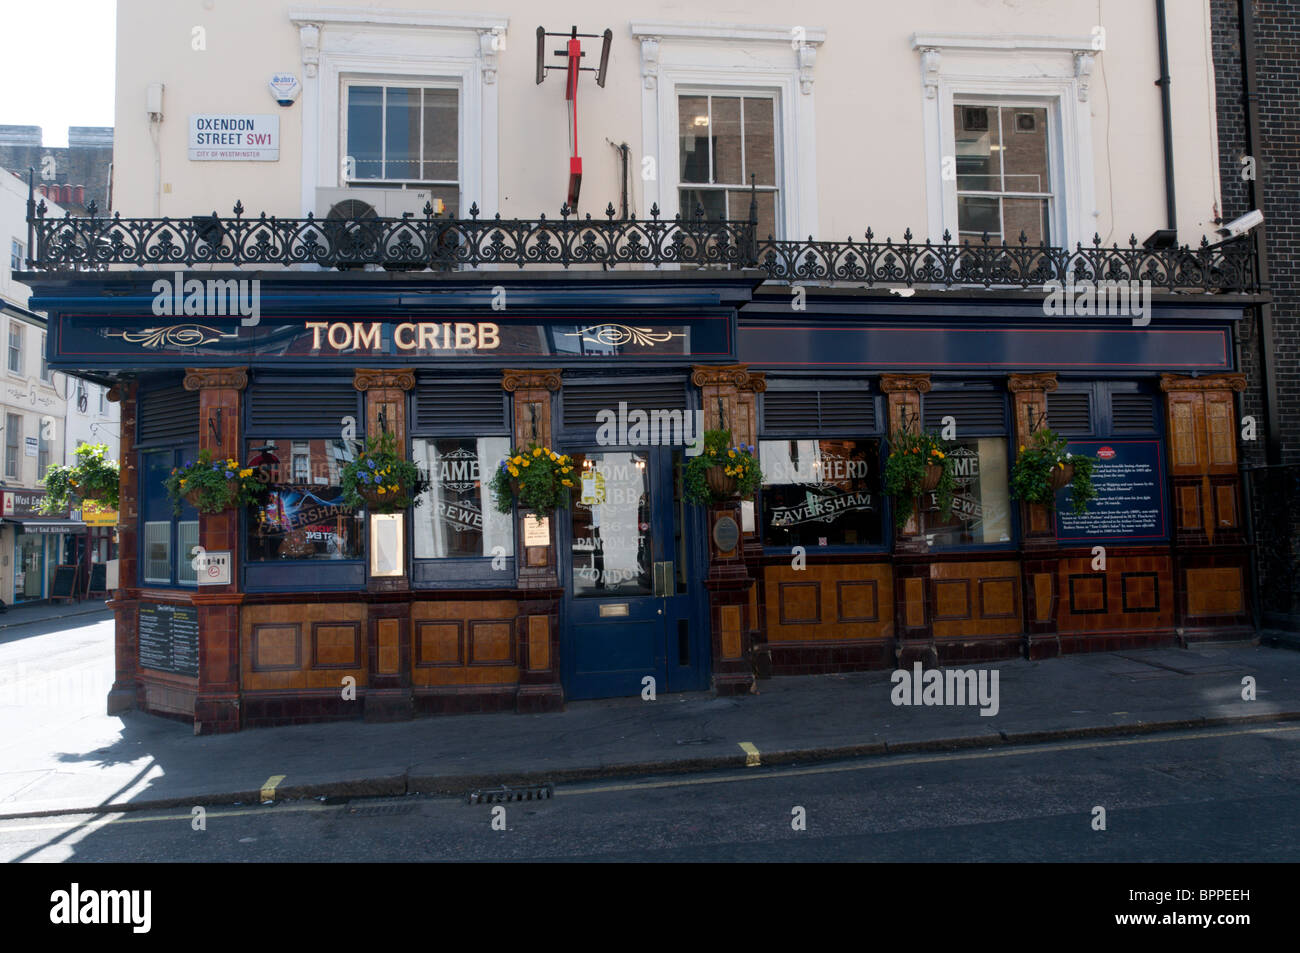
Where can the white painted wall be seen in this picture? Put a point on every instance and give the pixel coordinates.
(855, 102)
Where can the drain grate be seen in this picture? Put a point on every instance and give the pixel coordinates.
(380, 808)
(535, 792)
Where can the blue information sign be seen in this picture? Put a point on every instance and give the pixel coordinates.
(1130, 503)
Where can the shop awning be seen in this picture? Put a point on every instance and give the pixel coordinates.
(47, 526)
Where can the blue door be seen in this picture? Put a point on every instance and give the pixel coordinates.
(633, 577)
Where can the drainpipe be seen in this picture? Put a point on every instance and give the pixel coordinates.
(1171, 211)
(1264, 310)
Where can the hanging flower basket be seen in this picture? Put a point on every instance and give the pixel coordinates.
(93, 477)
(212, 485)
(720, 484)
(1062, 476)
(381, 478)
(918, 464)
(1045, 466)
(933, 474)
(538, 477)
(721, 471)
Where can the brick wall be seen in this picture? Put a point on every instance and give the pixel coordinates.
(1277, 494)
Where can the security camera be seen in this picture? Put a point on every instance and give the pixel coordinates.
(1240, 226)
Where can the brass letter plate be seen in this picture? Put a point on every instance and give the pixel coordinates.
(613, 609)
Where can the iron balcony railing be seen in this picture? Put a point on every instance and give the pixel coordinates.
(94, 243)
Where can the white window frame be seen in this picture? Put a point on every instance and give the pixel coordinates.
(387, 83)
(400, 47)
(11, 349)
(1009, 70)
(716, 93)
(719, 58)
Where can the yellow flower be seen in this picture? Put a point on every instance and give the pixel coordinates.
(565, 469)
(1022, 448)
(524, 464)
(382, 490)
(393, 488)
(568, 482)
(731, 453)
(1060, 464)
(182, 481)
(537, 451)
(513, 472)
(553, 456)
(246, 473)
(518, 460)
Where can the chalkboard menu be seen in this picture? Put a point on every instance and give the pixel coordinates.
(1130, 503)
(98, 577)
(169, 639)
(65, 579)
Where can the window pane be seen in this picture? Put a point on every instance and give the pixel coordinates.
(157, 552)
(365, 131)
(187, 537)
(979, 148)
(693, 138)
(611, 544)
(456, 516)
(441, 135)
(738, 208)
(1025, 155)
(724, 127)
(402, 133)
(713, 200)
(821, 492)
(1029, 215)
(981, 509)
(760, 142)
(13, 440)
(303, 519)
(976, 215)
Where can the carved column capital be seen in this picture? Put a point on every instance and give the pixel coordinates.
(1173, 382)
(1017, 383)
(735, 375)
(365, 379)
(206, 378)
(514, 379)
(309, 42)
(901, 383)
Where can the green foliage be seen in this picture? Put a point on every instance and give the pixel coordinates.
(910, 452)
(381, 479)
(92, 477)
(216, 485)
(736, 461)
(538, 476)
(1032, 473)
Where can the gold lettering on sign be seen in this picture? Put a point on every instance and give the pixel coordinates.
(362, 338)
(407, 336)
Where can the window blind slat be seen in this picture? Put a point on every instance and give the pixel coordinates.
(168, 415)
(974, 411)
(1069, 413)
(294, 404)
(1132, 413)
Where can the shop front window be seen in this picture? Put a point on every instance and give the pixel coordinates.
(304, 515)
(168, 540)
(981, 507)
(821, 492)
(456, 517)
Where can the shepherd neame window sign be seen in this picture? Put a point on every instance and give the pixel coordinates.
(234, 138)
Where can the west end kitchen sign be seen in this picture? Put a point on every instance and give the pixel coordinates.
(234, 138)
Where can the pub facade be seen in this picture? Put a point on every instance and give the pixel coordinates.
(284, 341)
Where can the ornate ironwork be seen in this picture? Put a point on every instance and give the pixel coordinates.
(94, 243)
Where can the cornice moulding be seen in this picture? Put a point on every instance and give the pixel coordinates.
(811, 36)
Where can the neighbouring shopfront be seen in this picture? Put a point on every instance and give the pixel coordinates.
(313, 609)
(33, 544)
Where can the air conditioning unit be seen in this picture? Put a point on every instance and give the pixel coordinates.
(352, 220)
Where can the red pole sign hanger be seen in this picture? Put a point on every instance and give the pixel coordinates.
(572, 55)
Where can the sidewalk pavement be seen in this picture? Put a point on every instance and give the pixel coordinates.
(136, 761)
(25, 614)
